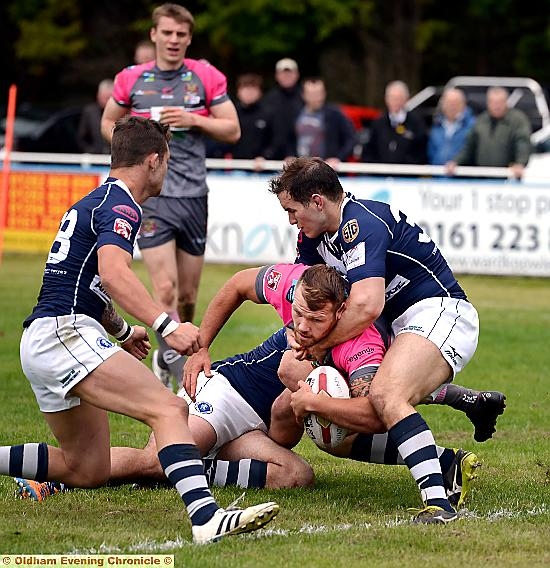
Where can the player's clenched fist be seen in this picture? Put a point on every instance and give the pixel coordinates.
(184, 339)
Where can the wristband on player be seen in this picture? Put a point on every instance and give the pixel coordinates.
(125, 333)
(165, 325)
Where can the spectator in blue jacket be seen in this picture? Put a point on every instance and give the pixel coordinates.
(322, 129)
(450, 128)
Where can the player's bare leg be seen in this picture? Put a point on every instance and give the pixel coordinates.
(161, 264)
(189, 274)
(285, 469)
(402, 381)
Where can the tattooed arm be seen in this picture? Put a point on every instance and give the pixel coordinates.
(360, 381)
(133, 339)
(112, 321)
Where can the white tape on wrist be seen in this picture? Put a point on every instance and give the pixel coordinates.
(165, 325)
(172, 326)
(125, 333)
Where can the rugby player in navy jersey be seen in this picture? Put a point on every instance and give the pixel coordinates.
(394, 269)
(233, 402)
(77, 374)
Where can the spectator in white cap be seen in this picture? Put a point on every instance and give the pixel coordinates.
(284, 102)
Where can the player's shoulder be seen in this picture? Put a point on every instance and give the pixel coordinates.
(361, 217)
(288, 269)
(275, 276)
(117, 200)
(202, 67)
(136, 70)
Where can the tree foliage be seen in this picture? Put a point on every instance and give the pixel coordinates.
(356, 45)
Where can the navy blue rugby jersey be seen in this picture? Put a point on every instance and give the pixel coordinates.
(374, 240)
(254, 374)
(108, 215)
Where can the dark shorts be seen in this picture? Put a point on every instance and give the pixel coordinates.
(181, 219)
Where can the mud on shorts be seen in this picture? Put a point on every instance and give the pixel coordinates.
(183, 219)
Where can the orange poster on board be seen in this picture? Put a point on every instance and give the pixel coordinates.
(36, 203)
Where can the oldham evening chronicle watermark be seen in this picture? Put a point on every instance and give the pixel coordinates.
(86, 560)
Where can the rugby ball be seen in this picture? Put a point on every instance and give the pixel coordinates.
(326, 381)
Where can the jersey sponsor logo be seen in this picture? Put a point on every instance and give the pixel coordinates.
(97, 288)
(395, 286)
(103, 343)
(350, 230)
(148, 77)
(355, 257)
(273, 279)
(148, 228)
(187, 76)
(55, 271)
(366, 351)
(191, 89)
(127, 211)
(204, 407)
(123, 228)
(290, 293)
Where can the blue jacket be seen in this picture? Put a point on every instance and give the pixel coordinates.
(442, 149)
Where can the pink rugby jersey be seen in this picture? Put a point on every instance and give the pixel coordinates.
(197, 86)
(359, 353)
(275, 285)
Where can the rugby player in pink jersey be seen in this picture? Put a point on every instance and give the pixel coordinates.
(275, 285)
(191, 97)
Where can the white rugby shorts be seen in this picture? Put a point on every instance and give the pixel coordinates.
(223, 408)
(59, 352)
(452, 325)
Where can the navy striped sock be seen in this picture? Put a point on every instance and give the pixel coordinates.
(243, 473)
(182, 465)
(26, 460)
(416, 445)
(378, 448)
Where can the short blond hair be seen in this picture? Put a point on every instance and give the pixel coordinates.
(176, 12)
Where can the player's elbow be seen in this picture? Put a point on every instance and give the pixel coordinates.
(366, 311)
(107, 129)
(234, 135)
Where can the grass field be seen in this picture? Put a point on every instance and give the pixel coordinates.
(356, 514)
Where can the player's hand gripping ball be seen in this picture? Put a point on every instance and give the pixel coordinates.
(326, 381)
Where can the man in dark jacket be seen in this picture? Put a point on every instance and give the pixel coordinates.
(322, 129)
(254, 120)
(89, 136)
(398, 136)
(284, 102)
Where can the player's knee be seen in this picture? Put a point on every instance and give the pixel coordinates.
(288, 474)
(176, 408)
(302, 474)
(379, 397)
(171, 410)
(166, 291)
(89, 476)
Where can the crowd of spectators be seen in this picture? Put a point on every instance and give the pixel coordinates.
(294, 119)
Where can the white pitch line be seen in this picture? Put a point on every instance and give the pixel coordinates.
(152, 546)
